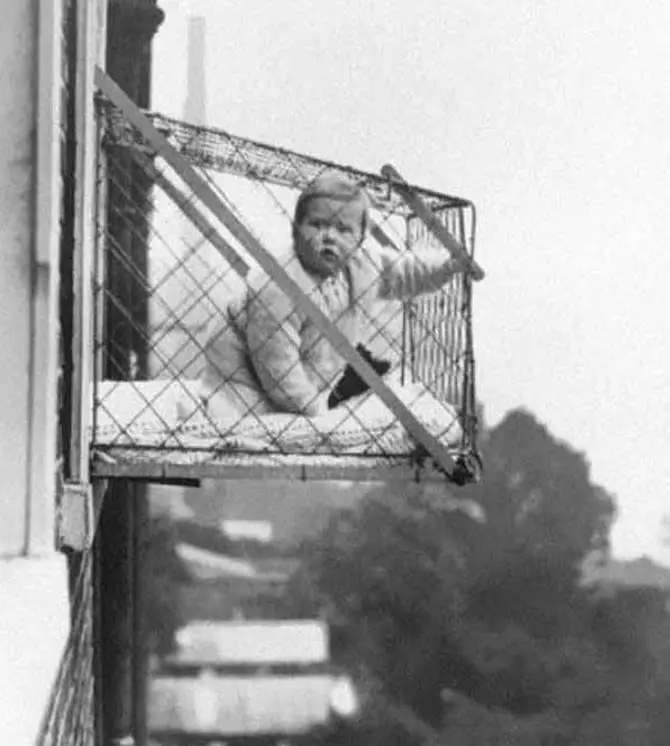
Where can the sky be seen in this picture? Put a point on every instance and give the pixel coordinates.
(553, 119)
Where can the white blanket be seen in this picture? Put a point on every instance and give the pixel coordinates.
(146, 414)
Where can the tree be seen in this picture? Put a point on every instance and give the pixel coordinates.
(538, 497)
(424, 600)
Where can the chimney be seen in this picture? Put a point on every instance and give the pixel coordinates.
(195, 107)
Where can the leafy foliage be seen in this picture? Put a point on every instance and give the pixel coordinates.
(539, 497)
(485, 633)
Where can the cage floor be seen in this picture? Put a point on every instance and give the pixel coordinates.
(137, 435)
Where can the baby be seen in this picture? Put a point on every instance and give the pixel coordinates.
(267, 355)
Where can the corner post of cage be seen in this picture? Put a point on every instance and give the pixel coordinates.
(469, 380)
(99, 261)
(408, 351)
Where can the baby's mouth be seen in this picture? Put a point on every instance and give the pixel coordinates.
(329, 256)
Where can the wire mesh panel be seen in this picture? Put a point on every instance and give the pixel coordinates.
(438, 346)
(267, 321)
(70, 719)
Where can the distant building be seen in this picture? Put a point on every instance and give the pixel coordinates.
(214, 707)
(224, 587)
(247, 681)
(252, 644)
(261, 531)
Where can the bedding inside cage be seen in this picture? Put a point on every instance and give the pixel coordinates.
(139, 434)
(147, 414)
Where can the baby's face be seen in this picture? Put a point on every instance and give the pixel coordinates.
(328, 234)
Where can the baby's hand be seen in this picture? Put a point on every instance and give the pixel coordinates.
(316, 406)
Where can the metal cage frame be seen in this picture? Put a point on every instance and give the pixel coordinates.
(216, 150)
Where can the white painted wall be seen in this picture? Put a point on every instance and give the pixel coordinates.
(34, 624)
(34, 619)
(17, 129)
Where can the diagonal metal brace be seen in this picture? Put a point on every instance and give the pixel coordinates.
(425, 214)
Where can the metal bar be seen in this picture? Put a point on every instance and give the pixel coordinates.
(250, 158)
(423, 212)
(206, 229)
(380, 235)
(274, 270)
(165, 472)
(100, 272)
(305, 468)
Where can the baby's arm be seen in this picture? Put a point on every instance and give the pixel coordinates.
(274, 336)
(407, 274)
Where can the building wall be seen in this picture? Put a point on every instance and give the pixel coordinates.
(17, 117)
(34, 620)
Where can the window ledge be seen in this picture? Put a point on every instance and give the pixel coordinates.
(34, 626)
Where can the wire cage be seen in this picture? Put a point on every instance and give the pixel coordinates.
(169, 269)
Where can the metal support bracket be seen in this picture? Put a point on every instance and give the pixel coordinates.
(78, 515)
